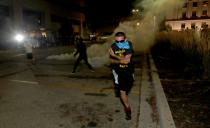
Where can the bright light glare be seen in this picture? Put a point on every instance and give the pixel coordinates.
(19, 37)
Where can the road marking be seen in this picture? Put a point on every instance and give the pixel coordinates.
(27, 82)
(19, 55)
(71, 86)
(87, 88)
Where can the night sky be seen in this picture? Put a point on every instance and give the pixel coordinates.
(99, 10)
(108, 8)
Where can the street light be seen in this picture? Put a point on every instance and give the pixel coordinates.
(19, 38)
(133, 10)
(137, 13)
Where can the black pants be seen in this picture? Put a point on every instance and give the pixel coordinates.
(80, 58)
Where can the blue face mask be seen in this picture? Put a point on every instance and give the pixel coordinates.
(123, 44)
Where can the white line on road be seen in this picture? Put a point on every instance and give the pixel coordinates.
(19, 55)
(27, 82)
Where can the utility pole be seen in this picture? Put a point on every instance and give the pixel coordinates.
(81, 26)
(208, 57)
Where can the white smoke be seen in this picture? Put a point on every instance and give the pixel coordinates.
(65, 56)
(141, 36)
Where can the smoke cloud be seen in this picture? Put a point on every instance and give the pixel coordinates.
(141, 35)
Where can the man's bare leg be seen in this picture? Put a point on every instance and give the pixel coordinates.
(124, 99)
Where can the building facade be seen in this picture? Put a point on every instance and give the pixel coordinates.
(41, 15)
(195, 14)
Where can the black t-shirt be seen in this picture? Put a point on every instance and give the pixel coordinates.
(81, 48)
(123, 50)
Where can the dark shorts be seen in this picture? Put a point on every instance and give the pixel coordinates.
(29, 56)
(123, 80)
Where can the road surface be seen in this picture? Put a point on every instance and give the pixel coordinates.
(48, 96)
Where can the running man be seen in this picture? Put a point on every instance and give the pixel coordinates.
(82, 51)
(122, 68)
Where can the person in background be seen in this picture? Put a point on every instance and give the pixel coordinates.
(82, 51)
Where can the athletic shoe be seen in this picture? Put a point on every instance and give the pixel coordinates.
(73, 72)
(128, 114)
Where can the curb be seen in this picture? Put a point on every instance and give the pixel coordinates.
(164, 112)
(147, 91)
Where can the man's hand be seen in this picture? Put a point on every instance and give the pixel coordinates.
(125, 60)
(111, 52)
(120, 60)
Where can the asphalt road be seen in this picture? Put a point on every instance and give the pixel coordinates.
(48, 96)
